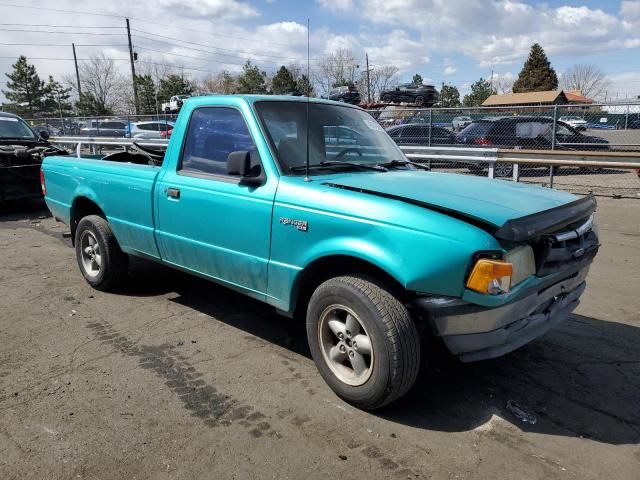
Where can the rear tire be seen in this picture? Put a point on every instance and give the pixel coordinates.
(386, 98)
(419, 100)
(385, 364)
(102, 263)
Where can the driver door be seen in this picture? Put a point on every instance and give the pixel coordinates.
(208, 222)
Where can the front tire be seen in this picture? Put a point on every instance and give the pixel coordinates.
(386, 98)
(363, 341)
(102, 263)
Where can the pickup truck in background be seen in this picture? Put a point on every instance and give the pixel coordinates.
(309, 206)
(174, 104)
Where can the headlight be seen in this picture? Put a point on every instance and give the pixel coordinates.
(493, 276)
(523, 261)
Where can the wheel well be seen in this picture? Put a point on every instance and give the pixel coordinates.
(82, 207)
(325, 268)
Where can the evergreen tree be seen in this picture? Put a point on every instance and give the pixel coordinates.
(449, 96)
(173, 85)
(24, 88)
(146, 94)
(480, 91)
(56, 98)
(88, 105)
(537, 74)
(304, 86)
(252, 79)
(283, 82)
(417, 79)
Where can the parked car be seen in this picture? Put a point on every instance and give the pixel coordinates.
(633, 124)
(45, 127)
(347, 94)
(458, 123)
(422, 95)
(151, 129)
(526, 132)
(419, 134)
(21, 152)
(105, 128)
(574, 121)
(361, 244)
(174, 104)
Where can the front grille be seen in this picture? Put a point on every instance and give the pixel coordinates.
(564, 250)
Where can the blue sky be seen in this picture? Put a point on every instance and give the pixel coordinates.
(451, 41)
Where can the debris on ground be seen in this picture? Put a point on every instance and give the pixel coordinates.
(522, 412)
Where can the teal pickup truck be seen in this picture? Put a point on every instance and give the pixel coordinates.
(309, 206)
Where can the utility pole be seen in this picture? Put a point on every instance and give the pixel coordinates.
(75, 61)
(368, 78)
(491, 83)
(133, 70)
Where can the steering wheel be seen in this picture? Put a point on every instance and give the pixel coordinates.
(343, 152)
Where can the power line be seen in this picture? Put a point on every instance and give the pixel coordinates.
(59, 33)
(81, 12)
(54, 26)
(216, 48)
(65, 44)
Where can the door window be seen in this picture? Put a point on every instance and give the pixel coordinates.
(213, 133)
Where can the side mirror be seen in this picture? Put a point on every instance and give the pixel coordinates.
(239, 163)
(44, 134)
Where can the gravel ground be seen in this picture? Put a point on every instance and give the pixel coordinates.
(174, 377)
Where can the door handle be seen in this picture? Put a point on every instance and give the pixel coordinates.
(172, 192)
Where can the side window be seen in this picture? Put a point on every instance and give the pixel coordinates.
(214, 132)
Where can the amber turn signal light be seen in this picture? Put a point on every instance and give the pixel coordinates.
(490, 276)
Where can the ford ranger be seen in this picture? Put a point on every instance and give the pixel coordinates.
(309, 206)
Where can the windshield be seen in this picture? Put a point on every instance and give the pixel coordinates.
(12, 128)
(336, 134)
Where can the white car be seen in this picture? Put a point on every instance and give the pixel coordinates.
(151, 129)
(574, 121)
(458, 123)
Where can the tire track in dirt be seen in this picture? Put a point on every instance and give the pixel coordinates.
(204, 401)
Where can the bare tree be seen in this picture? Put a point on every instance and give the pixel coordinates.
(100, 79)
(588, 79)
(380, 79)
(503, 83)
(222, 82)
(337, 68)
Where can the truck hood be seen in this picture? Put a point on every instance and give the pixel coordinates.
(492, 202)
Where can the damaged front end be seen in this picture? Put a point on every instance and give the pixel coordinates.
(563, 242)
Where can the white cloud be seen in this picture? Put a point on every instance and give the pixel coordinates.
(494, 32)
(336, 5)
(449, 70)
(223, 9)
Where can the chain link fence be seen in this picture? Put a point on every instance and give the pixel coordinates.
(593, 128)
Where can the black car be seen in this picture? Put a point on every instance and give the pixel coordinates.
(21, 152)
(422, 95)
(419, 134)
(527, 132)
(346, 94)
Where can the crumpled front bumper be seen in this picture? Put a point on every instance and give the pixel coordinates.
(476, 333)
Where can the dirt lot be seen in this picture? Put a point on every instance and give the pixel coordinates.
(175, 377)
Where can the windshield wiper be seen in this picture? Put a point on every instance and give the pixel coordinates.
(330, 164)
(397, 163)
